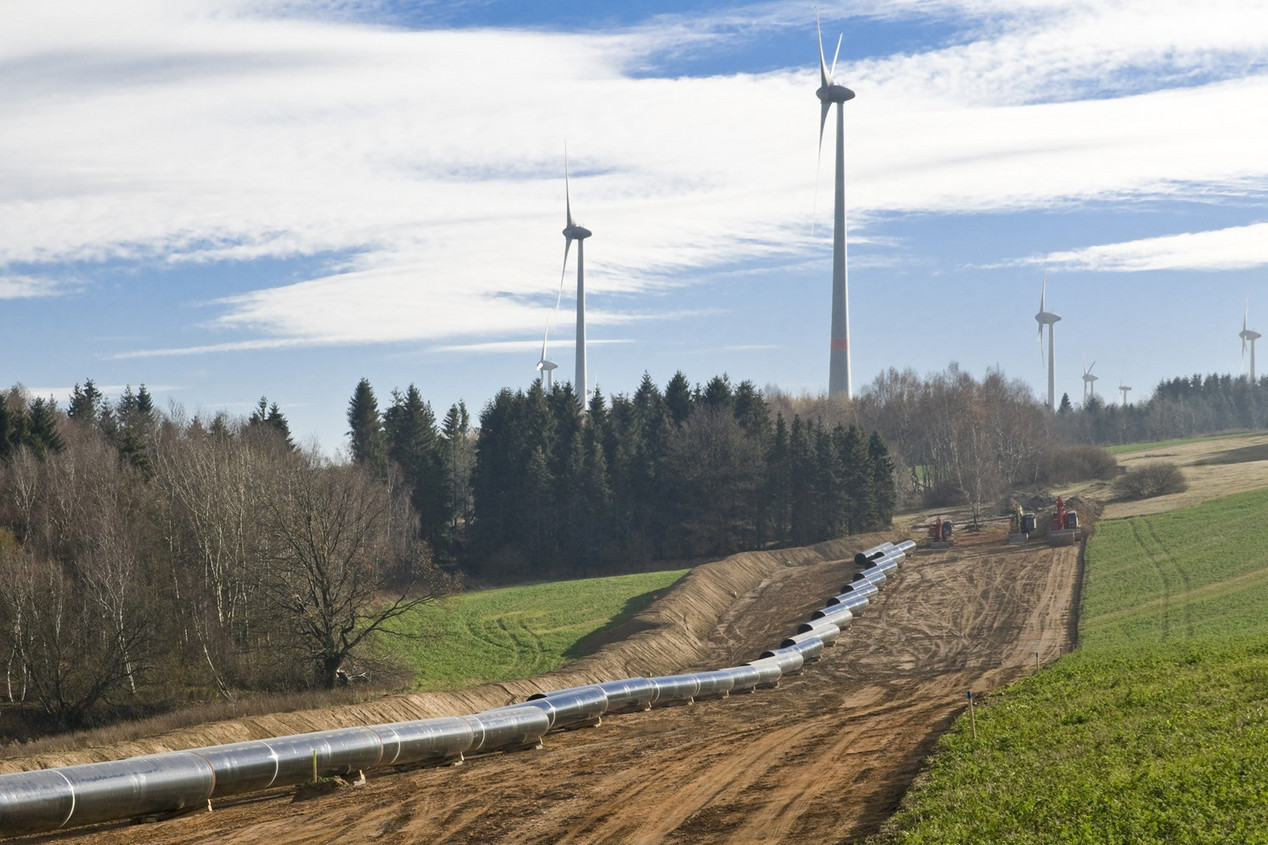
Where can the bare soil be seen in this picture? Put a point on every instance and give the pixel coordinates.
(825, 757)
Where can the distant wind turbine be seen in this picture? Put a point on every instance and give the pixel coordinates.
(1089, 383)
(1250, 335)
(829, 94)
(1049, 319)
(1124, 389)
(574, 232)
(546, 367)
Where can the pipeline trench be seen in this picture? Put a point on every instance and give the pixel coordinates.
(824, 757)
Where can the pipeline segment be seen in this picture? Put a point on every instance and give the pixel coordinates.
(52, 799)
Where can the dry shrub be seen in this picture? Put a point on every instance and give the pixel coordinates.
(1064, 464)
(1153, 479)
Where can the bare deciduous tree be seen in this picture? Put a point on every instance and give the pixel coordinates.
(338, 571)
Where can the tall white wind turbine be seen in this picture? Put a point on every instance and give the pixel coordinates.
(1049, 319)
(1124, 389)
(1249, 335)
(1089, 383)
(829, 94)
(573, 232)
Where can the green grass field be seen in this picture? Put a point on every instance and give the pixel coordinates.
(516, 632)
(1155, 729)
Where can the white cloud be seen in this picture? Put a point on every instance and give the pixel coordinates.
(15, 286)
(150, 131)
(1226, 249)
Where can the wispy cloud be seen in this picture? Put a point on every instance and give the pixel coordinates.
(1226, 249)
(158, 132)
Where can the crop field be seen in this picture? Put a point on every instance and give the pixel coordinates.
(1155, 729)
(517, 632)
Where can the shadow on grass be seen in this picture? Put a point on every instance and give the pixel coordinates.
(622, 626)
(1246, 454)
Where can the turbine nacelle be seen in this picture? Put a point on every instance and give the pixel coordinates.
(833, 93)
(573, 232)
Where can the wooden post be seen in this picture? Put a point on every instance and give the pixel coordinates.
(1036, 661)
(972, 719)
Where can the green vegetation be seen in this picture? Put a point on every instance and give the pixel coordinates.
(1156, 729)
(515, 632)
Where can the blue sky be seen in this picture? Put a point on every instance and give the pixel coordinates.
(225, 199)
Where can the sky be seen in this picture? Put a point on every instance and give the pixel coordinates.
(230, 199)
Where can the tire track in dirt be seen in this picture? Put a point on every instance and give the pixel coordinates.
(825, 757)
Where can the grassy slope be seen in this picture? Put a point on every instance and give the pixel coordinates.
(1127, 448)
(516, 632)
(1156, 729)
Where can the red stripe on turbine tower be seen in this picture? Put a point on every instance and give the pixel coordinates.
(841, 343)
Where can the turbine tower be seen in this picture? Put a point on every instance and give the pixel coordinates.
(1049, 319)
(829, 94)
(1089, 386)
(573, 232)
(1250, 335)
(1122, 388)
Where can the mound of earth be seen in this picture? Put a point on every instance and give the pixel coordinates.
(825, 757)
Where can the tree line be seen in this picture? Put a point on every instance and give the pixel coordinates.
(549, 490)
(1186, 406)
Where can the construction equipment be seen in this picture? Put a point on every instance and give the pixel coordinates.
(940, 534)
(1021, 526)
(1064, 528)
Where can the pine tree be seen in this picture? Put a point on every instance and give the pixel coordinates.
(85, 403)
(884, 495)
(459, 461)
(41, 427)
(269, 418)
(678, 398)
(413, 445)
(365, 430)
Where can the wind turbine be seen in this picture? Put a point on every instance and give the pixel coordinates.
(1089, 386)
(1251, 335)
(1049, 319)
(1122, 388)
(829, 94)
(545, 367)
(573, 232)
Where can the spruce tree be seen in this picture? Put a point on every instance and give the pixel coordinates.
(365, 430)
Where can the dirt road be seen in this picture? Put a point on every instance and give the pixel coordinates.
(825, 757)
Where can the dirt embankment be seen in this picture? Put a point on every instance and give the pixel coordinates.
(824, 758)
(668, 636)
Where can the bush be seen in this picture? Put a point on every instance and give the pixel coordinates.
(1064, 464)
(1154, 479)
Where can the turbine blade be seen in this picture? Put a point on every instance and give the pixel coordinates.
(832, 74)
(567, 194)
(823, 66)
(564, 272)
(1043, 290)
